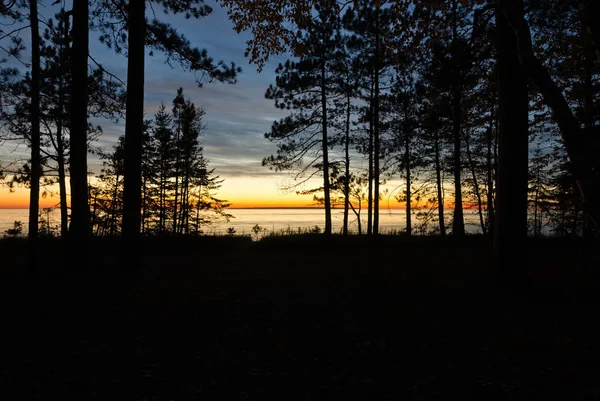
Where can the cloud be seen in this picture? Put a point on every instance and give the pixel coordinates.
(237, 115)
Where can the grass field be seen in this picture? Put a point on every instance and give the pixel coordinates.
(301, 318)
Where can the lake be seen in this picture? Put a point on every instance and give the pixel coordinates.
(276, 220)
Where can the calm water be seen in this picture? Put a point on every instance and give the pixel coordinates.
(272, 220)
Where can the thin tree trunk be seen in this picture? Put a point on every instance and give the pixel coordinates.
(187, 196)
(185, 201)
(325, 141)
(62, 178)
(113, 209)
(60, 142)
(438, 179)
(536, 202)
(181, 204)
(510, 234)
(347, 160)
(134, 124)
(163, 204)
(34, 194)
(187, 213)
(161, 201)
(475, 186)
(182, 197)
(144, 200)
(490, 180)
(198, 204)
(408, 178)
(376, 139)
(588, 107)
(177, 162)
(370, 173)
(458, 223)
(62, 183)
(357, 214)
(93, 219)
(79, 229)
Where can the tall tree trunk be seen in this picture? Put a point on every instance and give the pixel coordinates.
(376, 139)
(408, 192)
(187, 198)
(325, 141)
(588, 107)
(134, 124)
(536, 202)
(163, 205)
(370, 172)
(144, 202)
(475, 185)
(62, 179)
(357, 214)
(510, 236)
(113, 207)
(183, 197)
(79, 229)
(438, 179)
(458, 223)
(578, 145)
(490, 180)
(161, 200)
(182, 202)
(34, 194)
(60, 141)
(185, 201)
(347, 164)
(93, 219)
(177, 165)
(198, 205)
(408, 177)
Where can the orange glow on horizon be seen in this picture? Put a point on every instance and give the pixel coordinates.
(19, 199)
(238, 192)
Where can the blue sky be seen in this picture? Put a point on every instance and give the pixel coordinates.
(237, 115)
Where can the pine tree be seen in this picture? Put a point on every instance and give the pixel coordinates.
(369, 25)
(165, 147)
(305, 86)
(112, 20)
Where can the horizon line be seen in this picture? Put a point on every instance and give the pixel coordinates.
(265, 207)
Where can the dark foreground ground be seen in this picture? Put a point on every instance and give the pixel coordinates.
(301, 320)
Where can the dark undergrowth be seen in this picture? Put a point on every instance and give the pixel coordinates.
(299, 318)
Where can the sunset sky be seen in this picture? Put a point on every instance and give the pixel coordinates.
(237, 116)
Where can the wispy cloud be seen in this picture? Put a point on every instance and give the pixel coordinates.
(237, 115)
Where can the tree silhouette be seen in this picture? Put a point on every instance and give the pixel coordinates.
(305, 86)
(79, 228)
(34, 194)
